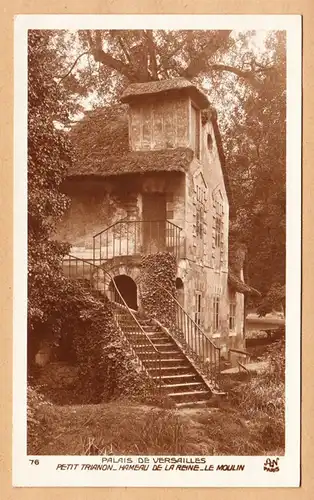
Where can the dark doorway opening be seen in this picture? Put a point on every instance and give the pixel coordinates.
(127, 288)
(154, 217)
(180, 291)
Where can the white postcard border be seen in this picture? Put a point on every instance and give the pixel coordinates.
(26, 473)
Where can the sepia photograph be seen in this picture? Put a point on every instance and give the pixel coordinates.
(156, 244)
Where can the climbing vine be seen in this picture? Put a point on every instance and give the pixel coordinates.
(91, 341)
(158, 273)
(108, 368)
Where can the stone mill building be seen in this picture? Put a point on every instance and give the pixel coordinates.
(150, 176)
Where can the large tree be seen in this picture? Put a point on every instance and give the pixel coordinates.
(98, 63)
(48, 157)
(256, 151)
(245, 82)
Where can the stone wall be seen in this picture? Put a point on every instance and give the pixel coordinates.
(205, 269)
(97, 205)
(92, 208)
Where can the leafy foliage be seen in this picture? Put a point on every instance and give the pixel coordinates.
(256, 154)
(90, 339)
(48, 159)
(99, 64)
(261, 398)
(107, 367)
(158, 269)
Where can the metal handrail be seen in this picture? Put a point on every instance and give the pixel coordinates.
(240, 351)
(126, 237)
(99, 268)
(199, 330)
(109, 227)
(187, 314)
(135, 220)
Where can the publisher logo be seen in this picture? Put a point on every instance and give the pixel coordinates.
(271, 465)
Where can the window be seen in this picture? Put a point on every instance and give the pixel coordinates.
(179, 284)
(232, 315)
(209, 142)
(195, 131)
(200, 194)
(199, 221)
(198, 308)
(216, 300)
(200, 202)
(218, 231)
(219, 224)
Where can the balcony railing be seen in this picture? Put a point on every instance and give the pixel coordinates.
(136, 237)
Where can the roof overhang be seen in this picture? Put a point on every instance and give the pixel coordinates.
(239, 286)
(169, 87)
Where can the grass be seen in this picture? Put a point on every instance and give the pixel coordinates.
(124, 429)
(249, 422)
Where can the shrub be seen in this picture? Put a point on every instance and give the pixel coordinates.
(89, 337)
(36, 424)
(262, 399)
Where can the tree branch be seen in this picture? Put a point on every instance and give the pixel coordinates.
(103, 57)
(72, 67)
(108, 60)
(199, 60)
(152, 53)
(124, 49)
(247, 75)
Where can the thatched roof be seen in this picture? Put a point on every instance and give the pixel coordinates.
(101, 148)
(239, 286)
(135, 90)
(136, 162)
(102, 134)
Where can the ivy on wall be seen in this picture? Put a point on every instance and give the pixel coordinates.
(108, 368)
(158, 269)
(90, 339)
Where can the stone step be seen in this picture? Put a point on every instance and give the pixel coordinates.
(148, 326)
(131, 325)
(186, 385)
(147, 340)
(184, 396)
(169, 370)
(164, 360)
(160, 347)
(142, 354)
(177, 367)
(191, 404)
(184, 375)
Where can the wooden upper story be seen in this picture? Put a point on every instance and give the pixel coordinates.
(165, 115)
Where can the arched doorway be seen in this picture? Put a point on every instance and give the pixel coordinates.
(128, 289)
(180, 291)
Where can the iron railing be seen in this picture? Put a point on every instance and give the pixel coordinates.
(93, 277)
(136, 237)
(197, 344)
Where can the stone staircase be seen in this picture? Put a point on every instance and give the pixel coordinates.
(162, 356)
(180, 381)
